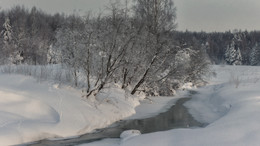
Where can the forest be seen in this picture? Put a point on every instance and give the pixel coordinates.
(135, 47)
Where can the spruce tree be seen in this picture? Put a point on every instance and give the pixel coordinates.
(233, 55)
(10, 49)
(255, 55)
(7, 34)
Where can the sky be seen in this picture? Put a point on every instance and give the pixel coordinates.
(193, 15)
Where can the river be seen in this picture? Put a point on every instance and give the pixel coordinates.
(175, 117)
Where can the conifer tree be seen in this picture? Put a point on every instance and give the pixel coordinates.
(255, 55)
(233, 55)
(7, 34)
(14, 56)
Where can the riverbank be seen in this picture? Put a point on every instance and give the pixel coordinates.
(177, 116)
(32, 109)
(230, 104)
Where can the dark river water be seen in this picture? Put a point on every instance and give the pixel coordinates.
(175, 117)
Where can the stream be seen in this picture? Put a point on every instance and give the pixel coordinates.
(175, 117)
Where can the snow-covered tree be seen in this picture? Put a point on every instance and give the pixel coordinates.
(255, 55)
(53, 55)
(14, 56)
(156, 19)
(232, 54)
(69, 46)
(8, 47)
(134, 51)
(7, 32)
(183, 57)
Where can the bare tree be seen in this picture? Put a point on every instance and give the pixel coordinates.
(112, 37)
(157, 18)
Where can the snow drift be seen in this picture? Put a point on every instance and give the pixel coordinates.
(30, 110)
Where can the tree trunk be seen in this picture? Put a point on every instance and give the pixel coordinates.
(141, 81)
(125, 72)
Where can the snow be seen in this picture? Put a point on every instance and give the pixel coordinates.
(153, 106)
(230, 104)
(230, 107)
(129, 134)
(30, 110)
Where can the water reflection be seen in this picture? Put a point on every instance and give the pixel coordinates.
(176, 117)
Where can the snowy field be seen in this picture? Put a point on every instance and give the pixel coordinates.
(230, 104)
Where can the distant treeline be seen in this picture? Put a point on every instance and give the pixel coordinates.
(217, 43)
(33, 32)
(29, 33)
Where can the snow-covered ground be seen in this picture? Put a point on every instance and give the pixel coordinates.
(31, 109)
(231, 106)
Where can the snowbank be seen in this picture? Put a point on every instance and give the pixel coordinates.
(231, 106)
(129, 134)
(31, 111)
(154, 105)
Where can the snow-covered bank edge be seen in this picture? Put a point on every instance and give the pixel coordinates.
(56, 111)
(231, 106)
(156, 105)
(31, 111)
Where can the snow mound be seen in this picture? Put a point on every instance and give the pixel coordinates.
(30, 111)
(207, 106)
(25, 109)
(19, 115)
(129, 134)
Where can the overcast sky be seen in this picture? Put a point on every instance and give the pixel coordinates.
(194, 15)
